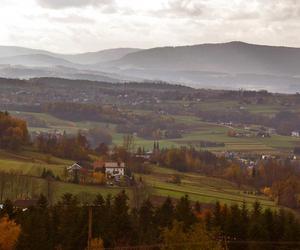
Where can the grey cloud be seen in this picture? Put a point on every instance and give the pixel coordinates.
(183, 8)
(62, 4)
(73, 19)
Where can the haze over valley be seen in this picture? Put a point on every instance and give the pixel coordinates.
(231, 65)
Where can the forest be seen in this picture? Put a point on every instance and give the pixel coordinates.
(171, 225)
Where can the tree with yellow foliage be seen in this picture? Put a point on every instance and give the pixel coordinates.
(97, 244)
(99, 178)
(9, 233)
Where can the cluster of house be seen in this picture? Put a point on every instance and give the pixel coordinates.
(112, 170)
(251, 161)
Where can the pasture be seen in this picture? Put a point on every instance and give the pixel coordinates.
(202, 188)
(198, 131)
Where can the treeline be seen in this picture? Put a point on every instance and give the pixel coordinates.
(152, 126)
(189, 159)
(83, 112)
(71, 147)
(171, 225)
(278, 179)
(13, 132)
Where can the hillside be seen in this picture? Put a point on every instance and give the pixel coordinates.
(99, 56)
(34, 60)
(18, 55)
(230, 65)
(232, 58)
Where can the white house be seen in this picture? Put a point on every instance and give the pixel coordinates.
(74, 167)
(295, 133)
(114, 168)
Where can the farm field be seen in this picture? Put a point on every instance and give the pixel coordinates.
(201, 188)
(199, 131)
(32, 164)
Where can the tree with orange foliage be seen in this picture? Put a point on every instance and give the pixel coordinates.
(99, 178)
(97, 244)
(9, 233)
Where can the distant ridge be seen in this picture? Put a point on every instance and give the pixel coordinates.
(230, 65)
(233, 58)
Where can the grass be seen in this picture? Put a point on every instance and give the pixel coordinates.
(199, 188)
(199, 131)
(202, 188)
(31, 163)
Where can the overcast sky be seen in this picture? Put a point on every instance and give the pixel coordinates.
(71, 26)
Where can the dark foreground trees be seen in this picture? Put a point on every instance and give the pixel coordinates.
(172, 225)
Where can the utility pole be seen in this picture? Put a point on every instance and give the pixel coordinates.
(89, 247)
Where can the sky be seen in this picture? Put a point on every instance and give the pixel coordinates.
(73, 26)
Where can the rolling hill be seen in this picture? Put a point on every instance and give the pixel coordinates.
(232, 65)
(231, 58)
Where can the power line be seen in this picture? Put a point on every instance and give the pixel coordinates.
(159, 246)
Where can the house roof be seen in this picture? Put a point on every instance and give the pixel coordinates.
(25, 203)
(75, 166)
(114, 165)
(98, 164)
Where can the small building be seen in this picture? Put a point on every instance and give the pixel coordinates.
(114, 168)
(24, 204)
(74, 172)
(295, 133)
(74, 167)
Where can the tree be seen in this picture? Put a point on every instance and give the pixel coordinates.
(120, 220)
(128, 143)
(9, 233)
(183, 212)
(102, 149)
(97, 244)
(147, 232)
(165, 213)
(195, 238)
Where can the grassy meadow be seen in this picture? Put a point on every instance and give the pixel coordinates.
(201, 188)
(199, 131)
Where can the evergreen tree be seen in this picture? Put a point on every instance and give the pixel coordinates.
(183, 212)
(147, 232)
(165, 213)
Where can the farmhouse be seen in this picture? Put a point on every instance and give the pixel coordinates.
(75, 167)
(295, 133)
(114, 168)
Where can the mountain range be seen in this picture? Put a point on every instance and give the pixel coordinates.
(229, 65)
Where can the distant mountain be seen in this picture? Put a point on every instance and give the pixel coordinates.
(230, 65)
(100, 56)
(23, 72)
(82, 58)
(34, 60)
(9, 51)
(231, 58)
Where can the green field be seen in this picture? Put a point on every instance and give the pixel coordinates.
(201, 188)
(199, 131)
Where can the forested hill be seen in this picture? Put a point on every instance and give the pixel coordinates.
(232, 58)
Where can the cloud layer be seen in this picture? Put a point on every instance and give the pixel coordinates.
(61, 4)
(88, 25)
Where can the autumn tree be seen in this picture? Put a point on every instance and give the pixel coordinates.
(9, 233)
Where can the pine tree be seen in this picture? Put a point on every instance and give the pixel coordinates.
(147, 232)
(165, 213)
(120, 220)
(183, 212)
